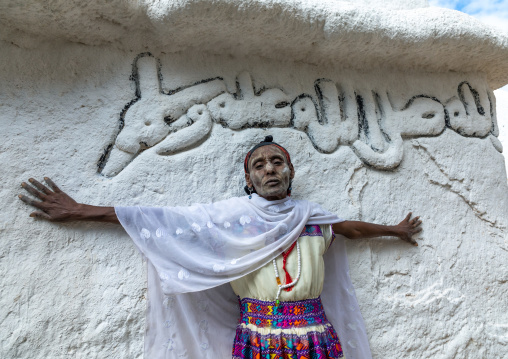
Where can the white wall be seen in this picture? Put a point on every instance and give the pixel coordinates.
(392, 4)
(502, 119)
(384, 112)
(78, 290)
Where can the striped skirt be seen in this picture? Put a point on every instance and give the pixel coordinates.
(291, 330)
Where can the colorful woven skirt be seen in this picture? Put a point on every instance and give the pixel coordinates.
(291, 330)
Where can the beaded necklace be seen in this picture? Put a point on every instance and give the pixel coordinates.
(287, 285)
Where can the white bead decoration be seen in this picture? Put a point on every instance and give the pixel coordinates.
(284, 286)
(183, 274)
(218, 268)
(203, 326)
(275, 208)
(145, 233)
(244, 220)
(169, 344)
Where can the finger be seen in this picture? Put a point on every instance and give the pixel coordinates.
(52, 184)
(33, 191)
(41, 215)
(408, 216)
(412, 241)
(416, 224)
(30, 201)
(39, 186)
(417, 230)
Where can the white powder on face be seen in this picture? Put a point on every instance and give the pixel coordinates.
(286, 169)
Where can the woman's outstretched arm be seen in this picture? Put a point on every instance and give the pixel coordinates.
(357, 229)
(56, 205)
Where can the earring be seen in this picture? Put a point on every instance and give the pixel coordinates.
(250, 192)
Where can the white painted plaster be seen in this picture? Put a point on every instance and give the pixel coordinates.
(78, 290)
(392, 4)
(502, 119)
(354, 115)
(326, 32)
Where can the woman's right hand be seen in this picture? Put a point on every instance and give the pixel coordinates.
(54, 204)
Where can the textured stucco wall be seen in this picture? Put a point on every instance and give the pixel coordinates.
(502, 111)
(322, 33)
(77, 290)
(392, 4)
(389, 142)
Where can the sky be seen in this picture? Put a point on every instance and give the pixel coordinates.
(491, 12)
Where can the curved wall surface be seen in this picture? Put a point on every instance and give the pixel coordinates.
(383, 111)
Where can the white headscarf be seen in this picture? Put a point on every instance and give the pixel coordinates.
(194, 252)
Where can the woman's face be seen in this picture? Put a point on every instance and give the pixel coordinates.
(270, 174)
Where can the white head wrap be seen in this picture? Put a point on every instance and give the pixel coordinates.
(197, 250)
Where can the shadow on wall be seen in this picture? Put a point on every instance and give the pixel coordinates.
(176, 120)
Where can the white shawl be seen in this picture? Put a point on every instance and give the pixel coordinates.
(194, 252)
